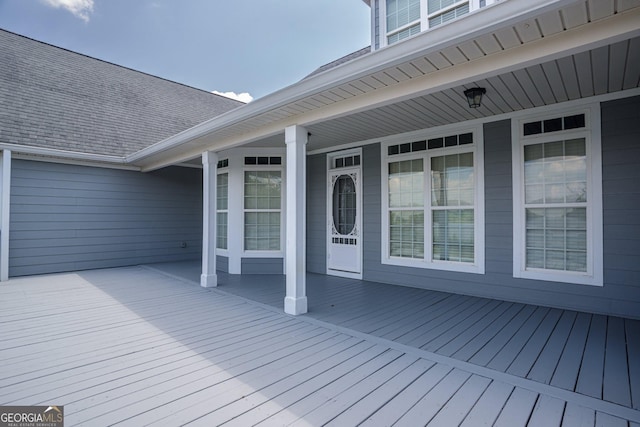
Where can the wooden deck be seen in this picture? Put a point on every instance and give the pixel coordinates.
(135, 346)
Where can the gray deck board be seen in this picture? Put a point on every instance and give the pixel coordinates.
(379, 397)
(407, 398)
(457, 326)
(210, 404)
(350, 396)
(546, 363)
(140, 398)
(489, 406)
(490, 348)
(404, 331)
(615, 387)
(490, 332)
(517, 409)
(632, 328)
(578, 416)
(457, 408)
(568, 367)
(431, 403)
(530, 352)
(548, 412)
(311, 402)
(472, 331)
(262, 408)
(252, 406)
(135, 347)
(507, 354)
(606, 420)
(592, 369)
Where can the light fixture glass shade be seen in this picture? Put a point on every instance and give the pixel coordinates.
(474, 96)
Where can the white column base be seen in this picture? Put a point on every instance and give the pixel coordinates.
(209, 280)
(295, 306)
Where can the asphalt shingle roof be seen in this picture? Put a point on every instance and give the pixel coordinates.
(340, 61)
(54, 98)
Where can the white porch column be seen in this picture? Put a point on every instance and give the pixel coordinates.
(235, 219)
(209, 181)
(5, 198)
(296, 251)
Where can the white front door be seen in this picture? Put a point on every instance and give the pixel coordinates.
(344, 231)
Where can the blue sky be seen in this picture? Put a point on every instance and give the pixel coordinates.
(254, 46)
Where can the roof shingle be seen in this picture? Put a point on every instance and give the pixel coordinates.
(54, 98)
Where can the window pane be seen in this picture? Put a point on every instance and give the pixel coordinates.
(221, 230)
(406, 184)
(406, 234)
(556, 172)
(401, 13)
(222, 191)
(556, 239)
(262, 231)
(453, 231)
(452, 180)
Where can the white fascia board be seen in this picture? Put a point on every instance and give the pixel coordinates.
(54, 155)
(472, 25)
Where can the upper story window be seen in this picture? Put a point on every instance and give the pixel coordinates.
(441, 11)
(404, 18)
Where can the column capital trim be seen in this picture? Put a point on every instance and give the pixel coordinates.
(296, 133)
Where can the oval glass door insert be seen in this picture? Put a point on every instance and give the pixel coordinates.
(344, 205)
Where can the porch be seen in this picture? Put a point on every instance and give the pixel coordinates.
(146, 345)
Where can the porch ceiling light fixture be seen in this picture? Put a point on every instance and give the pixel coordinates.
(474, 96)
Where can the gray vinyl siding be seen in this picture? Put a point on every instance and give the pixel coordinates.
(222, 263)
(620, 294)
(261, 266)
(375, 4)
(621, 200)
(69, 217)
(317, 213)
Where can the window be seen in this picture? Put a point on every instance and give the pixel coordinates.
(405, 18)
(222, 210)
(262, 210)
(441, 11)
(433, 209)
(555, 201)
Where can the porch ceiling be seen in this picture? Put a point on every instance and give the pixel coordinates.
(559, 51)
(603, 70)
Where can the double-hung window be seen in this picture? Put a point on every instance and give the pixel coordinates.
(433, 203)
(262, 204)
(557, 198)
(404, 18)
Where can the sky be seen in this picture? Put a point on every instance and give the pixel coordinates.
(239, 46)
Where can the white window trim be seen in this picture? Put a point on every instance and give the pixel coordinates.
(247, 168)
(477, 148)
(220, 251)
(592, 135)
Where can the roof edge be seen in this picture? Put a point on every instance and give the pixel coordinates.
(494, 17)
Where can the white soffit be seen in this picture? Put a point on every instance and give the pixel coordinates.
(557, 51)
